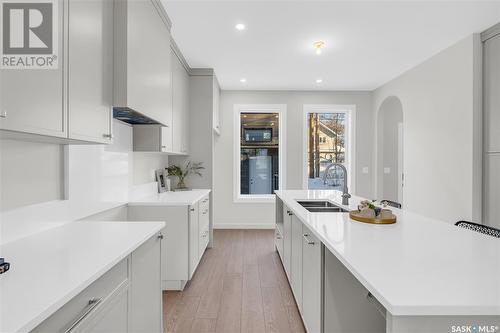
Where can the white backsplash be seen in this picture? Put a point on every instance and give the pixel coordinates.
(96, 178)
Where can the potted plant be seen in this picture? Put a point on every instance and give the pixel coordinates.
(183, 172)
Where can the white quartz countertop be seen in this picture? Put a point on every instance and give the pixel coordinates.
(49, 268)
(170, 198)
(417, 266)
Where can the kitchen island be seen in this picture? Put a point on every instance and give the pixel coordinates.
(419, 275)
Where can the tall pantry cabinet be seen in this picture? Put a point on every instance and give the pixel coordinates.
(491, 115)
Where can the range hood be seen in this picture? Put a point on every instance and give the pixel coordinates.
(133, 117)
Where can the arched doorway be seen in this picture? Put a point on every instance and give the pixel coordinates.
(390, 175)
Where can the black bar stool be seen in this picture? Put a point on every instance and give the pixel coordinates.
(484, 229)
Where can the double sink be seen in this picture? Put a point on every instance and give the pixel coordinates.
(321, 206)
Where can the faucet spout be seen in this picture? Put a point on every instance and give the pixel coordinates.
(345, 190)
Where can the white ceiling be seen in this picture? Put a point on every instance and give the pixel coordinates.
(367, 42)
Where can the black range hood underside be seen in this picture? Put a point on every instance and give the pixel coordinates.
(132, 117)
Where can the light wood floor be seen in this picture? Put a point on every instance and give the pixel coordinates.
(239, 286)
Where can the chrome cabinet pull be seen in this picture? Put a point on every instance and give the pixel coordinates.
(191, 209)
(160, 236)
(308, 241)
(3, 114)
(92, 304)
(108, 136)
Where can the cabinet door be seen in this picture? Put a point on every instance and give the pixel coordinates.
(90, 79)
(149, 76)
(492, 190)
(216, 107)
(287, 240)
(491, 95)
(203, 222)
(146, 292)
(166, 139)
(311, 281)
(180, 98)
(193, 239)
(296, 262)
(32, 99)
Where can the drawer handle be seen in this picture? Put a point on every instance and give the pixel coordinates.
(308, 241)
(108, 136)
(191, 209)
(3, 114)
(160, 236)
(91, 305)
(205, 200)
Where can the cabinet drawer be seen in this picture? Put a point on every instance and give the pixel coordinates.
(205, 204)
(102, 289)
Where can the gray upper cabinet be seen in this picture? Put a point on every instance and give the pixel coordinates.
(33, 99)
(73, 103)
(90, 70)
(491, 95)
(180, 106)
(143, 73)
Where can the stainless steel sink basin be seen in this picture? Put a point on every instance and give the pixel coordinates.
(321, 206)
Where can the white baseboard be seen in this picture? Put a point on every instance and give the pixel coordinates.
(243, 226)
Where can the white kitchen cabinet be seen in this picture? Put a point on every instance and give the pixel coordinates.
(152, 138)
(145, 291)
(312, 277)
(183, 245)
(90, 82)
(33, 100)
(143, 70)
(287, 239)
(278, 242)
(491, 87)
(296, 262)
(180, 106)
(126, 298)
(216, 106)
(204, 224)
(492, 190)
(491, 95)
(194, 255)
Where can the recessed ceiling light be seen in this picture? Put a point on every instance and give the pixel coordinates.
(243, 80)
(318, 46)
(319, 80)
(240, 26)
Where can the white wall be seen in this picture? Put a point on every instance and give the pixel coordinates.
(230, 214)
(442, 132)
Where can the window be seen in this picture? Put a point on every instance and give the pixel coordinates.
(259, 152)
(327, 139)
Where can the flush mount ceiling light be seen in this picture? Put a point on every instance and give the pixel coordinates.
(318, 46)
(319, 81)
(243, 80)
(239, 26)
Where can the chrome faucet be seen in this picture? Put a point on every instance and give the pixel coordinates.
(345, 190)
